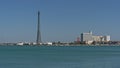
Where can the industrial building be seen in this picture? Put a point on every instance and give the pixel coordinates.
(89, 38)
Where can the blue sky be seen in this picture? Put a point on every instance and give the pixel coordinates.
(61, 20)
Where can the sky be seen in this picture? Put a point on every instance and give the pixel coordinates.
(61, 20)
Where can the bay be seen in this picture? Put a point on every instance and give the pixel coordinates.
(59, 56)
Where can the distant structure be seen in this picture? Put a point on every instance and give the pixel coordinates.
(86, 37)
(89, 38)
(101, 38)
(38, 41)
(78, 39)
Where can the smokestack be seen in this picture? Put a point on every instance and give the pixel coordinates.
(38, 41)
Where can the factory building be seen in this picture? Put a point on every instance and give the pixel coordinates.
(88, 38)
(107, 38)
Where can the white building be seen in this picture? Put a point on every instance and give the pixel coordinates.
(89, 38)
(107, 38)
(20, 43)
(96, 38)
(49, 43)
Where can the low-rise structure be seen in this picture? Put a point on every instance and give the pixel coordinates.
(20, 43)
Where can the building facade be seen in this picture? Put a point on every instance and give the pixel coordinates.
(86, 37)
(89, 38)
(107, 38)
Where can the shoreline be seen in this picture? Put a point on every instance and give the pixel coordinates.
(66, 45)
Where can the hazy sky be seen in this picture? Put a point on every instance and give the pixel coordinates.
(61, 20)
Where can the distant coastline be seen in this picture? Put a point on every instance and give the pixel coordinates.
(110, 43)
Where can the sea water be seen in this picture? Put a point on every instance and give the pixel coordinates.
(59, 56)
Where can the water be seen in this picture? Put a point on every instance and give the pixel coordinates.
(59, 57)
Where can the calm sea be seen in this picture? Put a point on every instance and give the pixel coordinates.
(59, 56)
